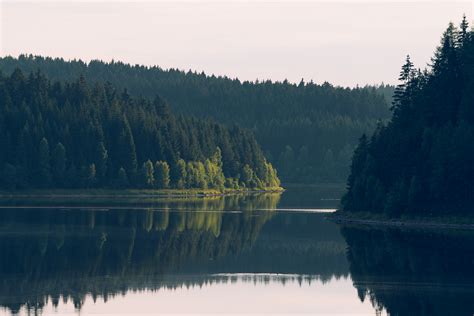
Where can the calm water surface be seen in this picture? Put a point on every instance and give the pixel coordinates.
(266, 254)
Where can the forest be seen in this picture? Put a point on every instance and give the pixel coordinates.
(422, 162)
(308, 131)
(81, 135)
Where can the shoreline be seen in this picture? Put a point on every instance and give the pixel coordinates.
(132, 193)
(409, 223)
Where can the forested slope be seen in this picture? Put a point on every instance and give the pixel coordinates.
(422, 161)
(307, 130)
(80, 135)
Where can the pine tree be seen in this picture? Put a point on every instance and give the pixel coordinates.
(421, 162)
(89, 176)
(44, 175)
(406, 74)
(122, 178)
(101, 161)
(21, 159)
(463, 34)
(128, 149)
(58, 161)
(103, 131)
(9, 176)
(446, 51)
(72, 177)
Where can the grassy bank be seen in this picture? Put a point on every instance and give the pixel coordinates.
(378, 220)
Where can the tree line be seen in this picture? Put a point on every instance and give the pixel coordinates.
(422, 161)
(80, 135)
(307, 130)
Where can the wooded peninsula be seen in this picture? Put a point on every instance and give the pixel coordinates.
(77, 135)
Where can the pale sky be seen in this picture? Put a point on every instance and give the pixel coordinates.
(343, 42)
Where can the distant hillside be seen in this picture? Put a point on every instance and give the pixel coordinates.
(307, 130)
(422, 161)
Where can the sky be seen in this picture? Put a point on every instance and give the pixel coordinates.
(346, 43)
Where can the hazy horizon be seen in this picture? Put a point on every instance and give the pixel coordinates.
(345, 43)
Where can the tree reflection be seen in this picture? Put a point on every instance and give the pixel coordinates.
(57, 254)
(66, 254)
(413, 272)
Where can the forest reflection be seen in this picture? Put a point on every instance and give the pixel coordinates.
(50, 255)
(408, 272)
(57, 254)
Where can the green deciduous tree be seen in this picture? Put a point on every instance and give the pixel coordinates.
(148, 174)
(162, 175)
(181, 174)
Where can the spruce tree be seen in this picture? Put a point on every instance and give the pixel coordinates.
(463, 34)
(104, 131)
(421, 162)
(122, 179)
(89, 176)
(128, 150)
(9, 176)
(58, 162)
(101, 161)
(44, 174)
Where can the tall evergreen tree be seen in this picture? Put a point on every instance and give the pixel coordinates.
(44, 164)
(105, 131)
(127, 148)
(421, 162)
(101, 161)
(58, 161)
(122, 178)
(316, 116)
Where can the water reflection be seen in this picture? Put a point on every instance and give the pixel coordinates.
(62, 254)
(410, 272)
(59, 253)
(232, 254)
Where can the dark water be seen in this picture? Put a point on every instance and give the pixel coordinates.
(266, 254)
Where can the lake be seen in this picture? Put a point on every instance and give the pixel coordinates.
(261, 254)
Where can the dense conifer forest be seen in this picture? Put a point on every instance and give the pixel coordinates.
(422, 161)
(80, 135)
(307, 130)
